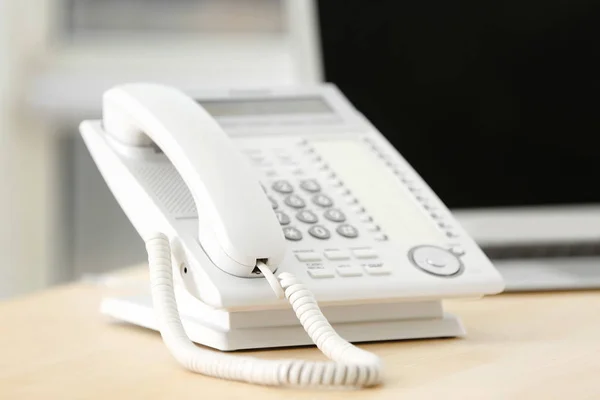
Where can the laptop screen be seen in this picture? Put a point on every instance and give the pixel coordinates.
(495, 103)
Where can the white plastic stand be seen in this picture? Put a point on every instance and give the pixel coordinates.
(230, 331)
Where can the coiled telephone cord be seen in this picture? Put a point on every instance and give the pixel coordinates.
(351, 366)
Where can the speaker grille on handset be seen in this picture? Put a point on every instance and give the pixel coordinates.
(163, 180)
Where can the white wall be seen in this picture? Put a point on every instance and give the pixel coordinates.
(26, 173)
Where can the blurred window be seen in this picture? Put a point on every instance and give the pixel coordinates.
(83, 19)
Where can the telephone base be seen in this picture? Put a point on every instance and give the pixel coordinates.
(204, 329)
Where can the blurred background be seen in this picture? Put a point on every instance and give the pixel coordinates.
(514, 80)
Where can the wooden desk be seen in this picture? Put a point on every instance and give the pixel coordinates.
(55, 345)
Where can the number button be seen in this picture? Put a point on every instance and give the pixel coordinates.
(310, 185)
(347, 231)
(283, 218)
(294, 201)
(292, 233)
(319, 232)
(322, 200)
(273, 203)
(334, 215)
(307, 216)
(282, 187)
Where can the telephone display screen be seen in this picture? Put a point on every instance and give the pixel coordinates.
(250, 107)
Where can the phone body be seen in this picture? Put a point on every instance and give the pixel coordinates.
(355, 221)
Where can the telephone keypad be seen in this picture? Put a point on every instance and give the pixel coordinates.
(335, 215)
(319, 232)
(295, 201)
(310, 185)
(322, 200)
(307, 217)
(282, 186)
(297, 183)
(283, 218)
(292, 233)
(347, 230)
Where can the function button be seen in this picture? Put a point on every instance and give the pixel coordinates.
(435, 260)
(282, 186)
(273, 203)
(336, 255)
(365, 218)
(373, 228)
(459, 251)
(380, 237)
(335, 182)
(358, 209)
(349, 270)
(435, 215)
(321, 273)
(376, 268)
(335, 215)
(294, 201)
(364, 253)
(271, 173)
(283, 218)
(308, 256)
(347, 230)
(319, 232)
(322, 200)
(257, 158)
(452, 235)
(444, 225)
(351, 200)
(307, 217)
(292, 233)
(310, 185)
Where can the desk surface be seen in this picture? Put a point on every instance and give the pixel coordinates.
(55, 345)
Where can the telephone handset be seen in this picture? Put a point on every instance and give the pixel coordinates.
(293, 187)
(236, 225)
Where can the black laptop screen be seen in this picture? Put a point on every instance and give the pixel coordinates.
(495, 103)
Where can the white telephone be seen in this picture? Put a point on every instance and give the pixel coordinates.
(302, 197)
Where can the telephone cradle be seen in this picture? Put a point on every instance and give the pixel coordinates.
(229, 331)
(249, 201)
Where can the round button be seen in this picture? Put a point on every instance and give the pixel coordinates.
(322, 200)
(282, 187)
(307, 216)
(347, 231)
(292, 233)
(283, 218)
(310, 185)
(273, 203)
(294, 201)
(319, 232)
(335, 215)
(435, 260)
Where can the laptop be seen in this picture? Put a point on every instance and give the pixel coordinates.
(495, 104)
